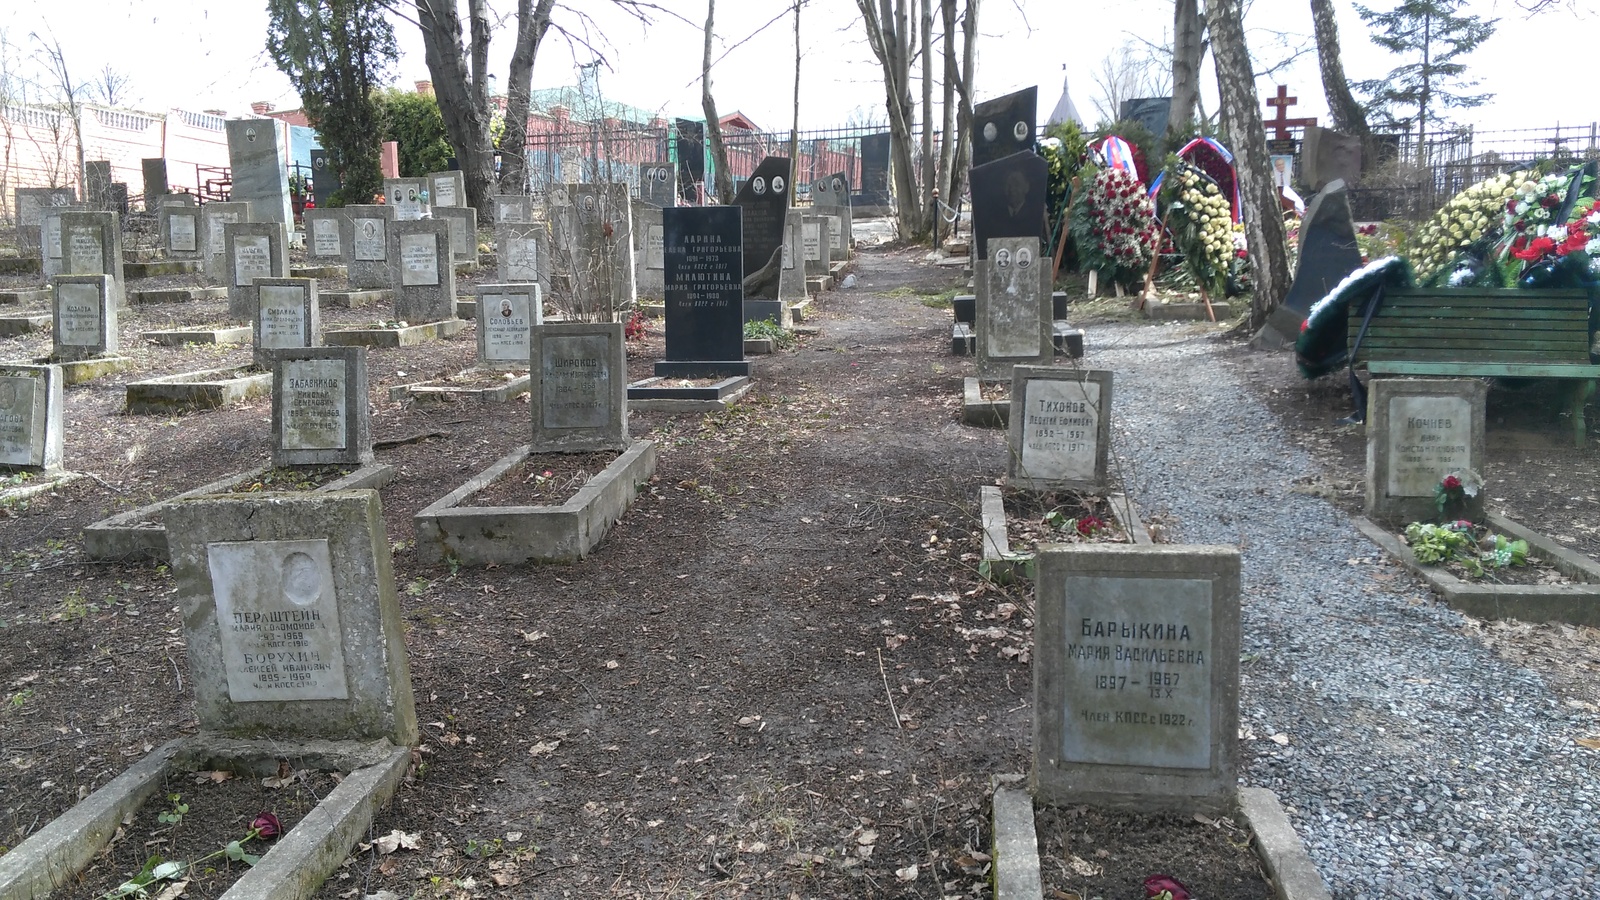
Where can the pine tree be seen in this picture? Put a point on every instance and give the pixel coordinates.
(1433, 36)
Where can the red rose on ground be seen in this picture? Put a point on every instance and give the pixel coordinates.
(1452, 483)
(1156, 884)
(266, 825)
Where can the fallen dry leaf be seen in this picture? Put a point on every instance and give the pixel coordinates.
(543, 748)
(217, 777)
(1281, 739)
(1083, 867)
(909, 873)
(396, 840)
(1593, 743)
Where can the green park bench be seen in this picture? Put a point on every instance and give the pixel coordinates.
(1482, 333)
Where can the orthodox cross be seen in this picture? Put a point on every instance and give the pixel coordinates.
(1283, 123)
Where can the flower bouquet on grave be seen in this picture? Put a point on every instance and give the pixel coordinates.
(1465, 222)
(1114, 226)
(1456, 495)
(1201, 223)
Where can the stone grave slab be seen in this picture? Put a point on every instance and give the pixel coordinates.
(1327, 156)
(1136, 677)
(1418, 431)
(524, 253)
(181, 231)
(30, 418)
(1328, 253)
(1013, 309)
(84, 317)
(507, 315)
(155, 181)
(600, 247)
(214, 219)
(366, 254)
(830, 196)
(91, 244)
(463, 232)
(873, 192)
(319, 407)
(513, 209)
(52, 258)
(425, 277)
(408, 197)
(658, 184)
(648, 260)
(260, 167)
(97, 185)
(816, 242)
(764, 200)
(324, 179)
(578, 387)
(792, 277)
(288, 317)
(447, 189)
(29, 205)
(1004, 125)
(327, 233)
(290, 617)
(704, 299)
(1008, 199)
(1059, 429)
(254, 250)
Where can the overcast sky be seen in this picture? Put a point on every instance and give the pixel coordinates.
(207, 54)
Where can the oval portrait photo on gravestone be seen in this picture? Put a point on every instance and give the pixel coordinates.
(1002, 259)
(990, 132)
(777, 184)
(302, 584)
(758, 184)
(1020, 131)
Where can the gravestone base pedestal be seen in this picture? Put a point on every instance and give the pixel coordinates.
(176, 295)
(177, 337)
(500, 535)
(390, 338)
(702, 368)
(504, 391)
(353, 299)
(982, 412)
(80, 371)
(16, 326)
(205, 389)
(659, 395)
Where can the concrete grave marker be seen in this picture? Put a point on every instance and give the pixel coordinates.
(658, 184)
(30, 417)
(579, 383)
(425, 289)
(447, 189)
(513, 209)
(260, 167)
(407, 197)
(1060, 429)
(1014, 309)
(52, 256)
(290, 616)
(507, 314)
(647, 257)
(97, 185)
(85, 317)
(704, 297)
(764, 199)
(1136, 676)
(463, 232)
(1418, 431)
(319, 407)
(254, 250)
(523, 253)
(30, 204)
(91, 244)
(830, 196)
(366, 253)
(325, 233)
(180, 231)
(155, 181)
(214, 219)
(816, 240)
(600, 244)
(288, 317)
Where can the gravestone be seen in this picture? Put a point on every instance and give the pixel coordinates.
(792, 278)
(324, 179)
(30, 204)
(600, 242)
(52, 259)
(524, 254)
(513, 209)
(648, 260)
(1150, 112)
(119, 198)
(288, 317)
(702, 280)
(1013, 309)
(91, 244)
(30, 418)
(1327, 156)
(97, 185)
(874, 187)
(389, 159)
(830, 196)
(319, 407)
(184, 199)
(425, 278)
(658, 184)
(408, 197)
(1136, 677)
(578, 388)
(181, 231)
(84, 317)
(290, 618)
(327, 232)
(764, 198)
(1059, 434)
(260, 169)
(214, 219)
(507, 314)
(1008, 197)
(254, 250)
(1004, 126)
(817, 244)
(1328, 253)
(463, 232)
(1418, 431)
(366, 253)
(691, 146)
(447, 189)
(155, 182)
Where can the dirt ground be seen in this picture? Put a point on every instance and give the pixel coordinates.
(779, 675)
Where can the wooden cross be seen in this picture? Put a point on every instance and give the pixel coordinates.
(1283, 123)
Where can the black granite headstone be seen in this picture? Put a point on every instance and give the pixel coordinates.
(1008, 199)
(1328, 253)
(1151, 112)
(874, 171)
(155, 181)
(324, 179)
(1004, 126)
(658, 185)
(691, 147)
(764, 199)
(703, 275)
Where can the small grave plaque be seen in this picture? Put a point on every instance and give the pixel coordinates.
(449, 189)
(419, 259)
(252, 259)
(325, 237)
(578, 387)
(182, 227)
(288, 316)
(506, 316)
(278, 619)
(370, 239)
(319, 407)
(313, 404)
(85, 322)
(1418, 431)
(407, 197)
(513, 209)
(1059, 428)
(704, 295)
(520, 256)
(30, 417)
(85, 254)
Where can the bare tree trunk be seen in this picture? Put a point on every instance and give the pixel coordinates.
(794, 130)
(947, 141)
(929, 161)
(532, 23)
(1241, 117)
(963, 81)
(890, 36)
(719, 150)
(1186, 52)
(69, 101)
(1347, 114)
(463, 101)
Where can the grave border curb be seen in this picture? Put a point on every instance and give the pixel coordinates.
(429, 392)
(197, 390)
(394, 338)
(177, 337)
(1005, 566)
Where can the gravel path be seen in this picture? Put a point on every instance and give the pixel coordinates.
(1418, 764)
